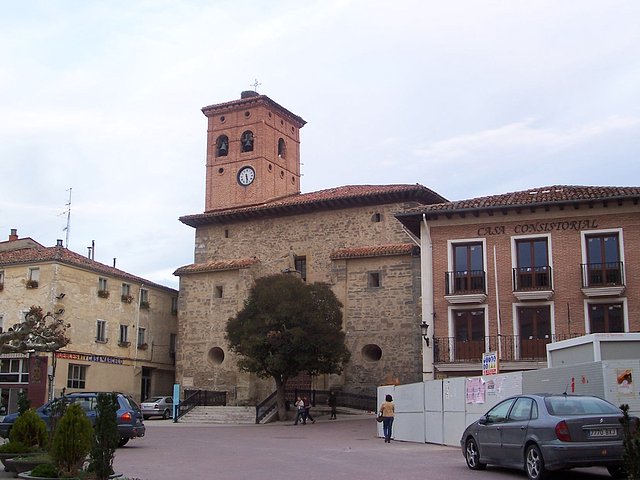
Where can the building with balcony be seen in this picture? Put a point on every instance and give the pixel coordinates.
(122, 327)
(511, 273)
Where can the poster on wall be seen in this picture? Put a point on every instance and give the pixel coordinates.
(490, 363)
(624, 379)
(475, 391)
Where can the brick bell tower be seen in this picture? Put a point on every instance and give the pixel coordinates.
(253, 152)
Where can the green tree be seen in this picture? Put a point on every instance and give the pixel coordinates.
(286, 327)
(72, 440)
(106, 436)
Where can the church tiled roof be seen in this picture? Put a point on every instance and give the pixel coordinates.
(59, 254)
(338, 197)
(216, 266)
(375, 251)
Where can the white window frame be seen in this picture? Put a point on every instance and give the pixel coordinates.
(124, 334)
(77, 376)
(102, 283)
(457, 241)
(142, 336)
(593, 301)
(583, 240)
(101, 331)
(21, 370)
(514, 250)
(34, 274)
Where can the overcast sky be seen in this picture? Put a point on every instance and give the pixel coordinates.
(468, 98)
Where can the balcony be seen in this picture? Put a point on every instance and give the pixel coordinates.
(532, 283)
(510, 348)
(468, 286)
(603, 279)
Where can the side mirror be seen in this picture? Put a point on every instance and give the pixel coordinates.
(483, 420)
(3, 410)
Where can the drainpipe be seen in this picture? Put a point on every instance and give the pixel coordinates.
(428, 314)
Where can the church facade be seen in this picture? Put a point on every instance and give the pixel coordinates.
(256, 223)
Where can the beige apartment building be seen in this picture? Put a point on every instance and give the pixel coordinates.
(256, 223)
(512, 272)
(122, 327)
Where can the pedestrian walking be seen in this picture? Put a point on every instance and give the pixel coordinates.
(307, 410)
(300, 412)
(387, 411)
(333, 404)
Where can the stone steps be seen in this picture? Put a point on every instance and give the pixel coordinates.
(222, 415)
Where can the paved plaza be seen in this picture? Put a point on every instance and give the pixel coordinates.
(347, 448)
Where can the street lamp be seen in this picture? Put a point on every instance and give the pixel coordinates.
(424, 329)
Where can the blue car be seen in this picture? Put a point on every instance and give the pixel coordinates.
(128, 415)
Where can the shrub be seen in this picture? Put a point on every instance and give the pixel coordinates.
(72, 441)
(29, 429)
(45, 470)
(106, 436)
(631, 435)
(13, 447)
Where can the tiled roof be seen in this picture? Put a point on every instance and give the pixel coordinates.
(62, 255)
(216, 266)
(338, 197)
(539, 196)
(374, 251)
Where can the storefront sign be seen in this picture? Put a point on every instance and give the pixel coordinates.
(538, 227)
(90, 358)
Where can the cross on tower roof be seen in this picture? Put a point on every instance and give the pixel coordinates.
(255, 85)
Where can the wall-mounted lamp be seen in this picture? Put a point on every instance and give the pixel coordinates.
(424, 329)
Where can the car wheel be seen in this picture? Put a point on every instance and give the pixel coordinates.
(534, 464)
(472, 455)
(617, 472)
(123, 442)
(166, 414)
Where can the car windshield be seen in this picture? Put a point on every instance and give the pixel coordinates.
(568, 405)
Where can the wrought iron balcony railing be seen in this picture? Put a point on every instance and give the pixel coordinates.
(602, 274)
(532, 278)
(465, 282)
(509, 347)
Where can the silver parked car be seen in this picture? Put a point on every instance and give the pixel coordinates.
(157, 406)
(542, 433)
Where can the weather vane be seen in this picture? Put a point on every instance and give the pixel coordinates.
(255, 85)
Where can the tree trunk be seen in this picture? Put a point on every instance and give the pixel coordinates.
(280, 398)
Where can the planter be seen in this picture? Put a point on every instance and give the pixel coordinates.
(6, 458)
(27, 476)
(24, 463)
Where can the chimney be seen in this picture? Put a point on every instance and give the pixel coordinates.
(59, 243)
(14, 235)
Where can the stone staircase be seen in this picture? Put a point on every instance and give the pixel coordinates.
(222, 415)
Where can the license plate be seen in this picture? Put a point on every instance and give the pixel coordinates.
(603, 432)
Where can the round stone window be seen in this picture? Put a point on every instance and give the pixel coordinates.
(372, 352)
(216, 355)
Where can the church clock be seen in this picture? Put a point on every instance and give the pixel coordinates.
(246, 176)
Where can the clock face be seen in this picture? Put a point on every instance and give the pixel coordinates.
(246, 175)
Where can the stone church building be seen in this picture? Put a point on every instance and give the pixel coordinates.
(256, 222)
